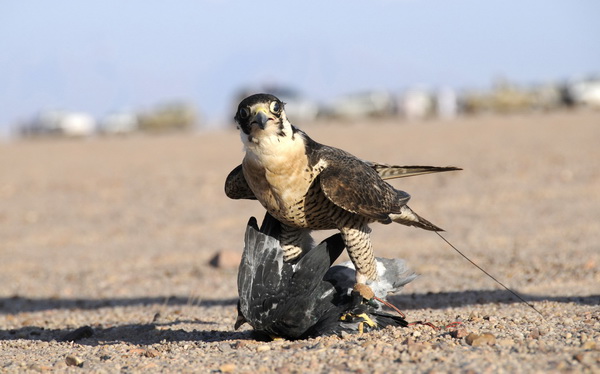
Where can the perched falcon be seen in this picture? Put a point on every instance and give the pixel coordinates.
(308, 298)
(310, 186)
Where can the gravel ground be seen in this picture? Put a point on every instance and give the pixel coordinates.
(105, 244)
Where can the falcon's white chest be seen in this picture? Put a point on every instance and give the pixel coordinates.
(278, 172)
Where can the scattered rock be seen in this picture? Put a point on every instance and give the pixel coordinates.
(239, 345)
(414, 347)
(469, 338)
(295, 346)
(226, 259)
(589, 345)
(474, 317)
(72, 360)
(151, 352)
(368, 343)
(534, 334)
(78, 334)
(227, 368)
(583, 358)
(459, 333)
(263, 348)
(137, 351)
(476, 340)
(507, 342)
(39, 368)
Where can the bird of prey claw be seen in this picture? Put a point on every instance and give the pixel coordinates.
(310, 297)
(310, 186)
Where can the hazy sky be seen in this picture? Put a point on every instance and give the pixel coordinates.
(100, 56)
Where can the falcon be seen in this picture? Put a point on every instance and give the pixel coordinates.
(308, 186)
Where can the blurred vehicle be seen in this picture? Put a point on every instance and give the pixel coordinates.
(416, 103)
(60, 123)
(504, 98)
(446, 103)
(175, 116)
(297, 107)
(546, 96)
(124, 122)
(366, 104)
(585, 92)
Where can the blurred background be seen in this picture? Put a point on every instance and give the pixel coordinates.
(112, 67)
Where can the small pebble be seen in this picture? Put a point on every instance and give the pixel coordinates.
(584, 358)
(459, 333)
(226, 259)
(263, 348)
(72, 360)
(506, 342)
(589, 345)
(534, 334)
(476, 340)
(227, 368)
(151, 352)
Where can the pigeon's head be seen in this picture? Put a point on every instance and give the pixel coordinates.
(262, 115)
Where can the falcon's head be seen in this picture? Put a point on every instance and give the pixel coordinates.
(261, 116)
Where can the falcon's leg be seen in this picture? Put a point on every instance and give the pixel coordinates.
(358, 243)
(294, 241)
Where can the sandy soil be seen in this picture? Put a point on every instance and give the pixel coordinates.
(115, 234)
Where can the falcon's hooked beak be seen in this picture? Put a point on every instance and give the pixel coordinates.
(260, 117)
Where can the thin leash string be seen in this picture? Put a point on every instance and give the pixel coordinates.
(489, 275)
(425, 323)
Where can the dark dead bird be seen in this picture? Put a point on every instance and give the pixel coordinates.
(309, 297)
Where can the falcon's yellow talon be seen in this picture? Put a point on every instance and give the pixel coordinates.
(361, 325)
(367, 319)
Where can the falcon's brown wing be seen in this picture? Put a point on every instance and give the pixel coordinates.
(356, 187)
(236, 186)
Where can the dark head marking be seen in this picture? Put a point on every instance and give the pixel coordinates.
(244, 116)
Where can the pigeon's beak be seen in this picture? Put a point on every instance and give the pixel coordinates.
(261, 117)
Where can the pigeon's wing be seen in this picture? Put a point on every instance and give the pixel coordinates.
(261, 275)
(356, 187)
(307, 298)
(236, 186)
(279, 298)
(395, 171)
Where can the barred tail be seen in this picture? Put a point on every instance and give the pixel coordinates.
(395, 171)
(409, 218)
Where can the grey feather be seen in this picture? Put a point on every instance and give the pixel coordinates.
(393, 275)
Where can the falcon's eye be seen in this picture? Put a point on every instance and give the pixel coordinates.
(244, 113)
(275, 107)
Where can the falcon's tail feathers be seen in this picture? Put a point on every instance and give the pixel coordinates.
(409, 218)
(395, 171)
